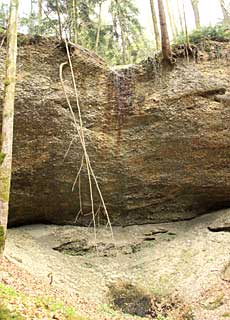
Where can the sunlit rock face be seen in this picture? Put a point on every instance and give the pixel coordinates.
(159, 141)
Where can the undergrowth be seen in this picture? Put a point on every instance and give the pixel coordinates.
(218, 32)
(133, 300)
(15, 305)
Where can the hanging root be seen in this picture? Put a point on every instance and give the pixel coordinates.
(78, 124)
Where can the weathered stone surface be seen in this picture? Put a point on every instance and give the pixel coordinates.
(158, 141)
(226, 273)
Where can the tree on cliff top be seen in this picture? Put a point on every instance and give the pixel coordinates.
(195, 7)
(155, 25)
(225, 11)
(7, 121)
(166, 49)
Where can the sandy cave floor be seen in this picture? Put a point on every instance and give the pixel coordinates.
(184, 257)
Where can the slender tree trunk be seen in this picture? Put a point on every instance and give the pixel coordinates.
(31, 23)
(196, 12)
(123, 36)
(74, 22)
(7, 122)
(187, 47)
(180, 17)
(166, 49)
(171, 19)
(98, 27)
(226, 13)
(40, 15)
(59, 18)
(155, 25)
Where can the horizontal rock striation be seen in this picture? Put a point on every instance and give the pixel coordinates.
(159, 141)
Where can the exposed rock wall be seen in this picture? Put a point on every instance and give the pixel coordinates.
(159, 141)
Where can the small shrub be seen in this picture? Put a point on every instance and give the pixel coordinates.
(219, 32)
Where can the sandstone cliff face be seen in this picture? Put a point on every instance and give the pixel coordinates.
(158, 141)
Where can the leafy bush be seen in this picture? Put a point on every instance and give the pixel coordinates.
(219, 32)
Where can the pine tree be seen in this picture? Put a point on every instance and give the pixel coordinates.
(7, 121)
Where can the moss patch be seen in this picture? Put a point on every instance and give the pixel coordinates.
(22, 305)
(2, 157)
(2, 239)
(5, 314)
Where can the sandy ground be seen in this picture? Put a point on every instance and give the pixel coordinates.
(188, 259)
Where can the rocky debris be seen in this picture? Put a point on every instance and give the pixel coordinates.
(99, 249)
(223, 98)
(222, 224)
(226, 273)
(158, 143)
(220, 228)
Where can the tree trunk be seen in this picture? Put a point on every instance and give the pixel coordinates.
(155, 25)
(187, 47)
(226, 13)
(7, 121)
(40, 16)
(59, 18)
(180, 17)
(166, 49)
(171, 19)
(196, 12)
(31, 22)
(123, 36)
(74, 21)
(98, 27)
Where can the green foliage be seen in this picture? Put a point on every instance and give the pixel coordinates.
(46, 304)
(4, 12)
(2, 240)
(125, 20)
(2, 157)
(82, 23)
(5, 314)
(219, 32)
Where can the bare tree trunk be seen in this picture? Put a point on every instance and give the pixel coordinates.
(98, 27)
(74, 21)
(40, 15)
(166, 49)
(123, 36)
(171, 19)
(196, 12)
(180, 17)
(187, 47)
(31, 22)
(226, 13)
(155, 25)
(59, 18)
(7, 122)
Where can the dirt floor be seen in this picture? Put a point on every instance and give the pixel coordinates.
(183, 258)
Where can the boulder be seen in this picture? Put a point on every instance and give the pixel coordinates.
(158, 141)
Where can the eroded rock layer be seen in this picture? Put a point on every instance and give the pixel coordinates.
(159, 141)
